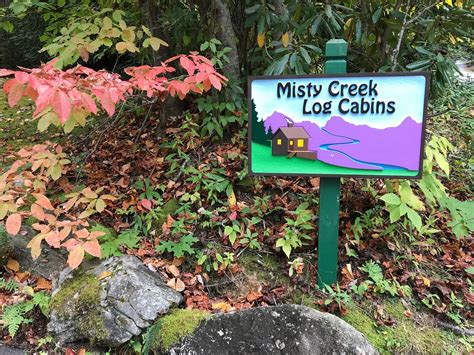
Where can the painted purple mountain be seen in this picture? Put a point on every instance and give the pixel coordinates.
(396, 146)
(319, 138)
(344, 144)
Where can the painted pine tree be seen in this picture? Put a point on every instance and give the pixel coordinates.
(258, 130)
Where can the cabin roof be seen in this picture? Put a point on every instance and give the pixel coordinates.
(294, 132)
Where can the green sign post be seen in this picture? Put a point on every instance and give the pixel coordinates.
(329, 187)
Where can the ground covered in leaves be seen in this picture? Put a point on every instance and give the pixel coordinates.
(187, 208)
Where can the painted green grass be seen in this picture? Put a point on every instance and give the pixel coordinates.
(263, 162)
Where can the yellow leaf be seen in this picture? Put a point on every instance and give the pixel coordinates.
(100, 205)
(128, 35)
(107, 23)
(232, 200)
(426, 281)
(285, 39)
(155, 43)
(35, 246)
(458, 3)
(121, 47)
(222, 306)
(86, 213)
(261, 39)
(104, 275)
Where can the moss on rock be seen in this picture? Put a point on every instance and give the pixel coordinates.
(79, 300)
(172, 328)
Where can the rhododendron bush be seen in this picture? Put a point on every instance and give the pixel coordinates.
(68, 97)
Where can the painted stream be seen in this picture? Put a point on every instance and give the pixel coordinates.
(328, 146)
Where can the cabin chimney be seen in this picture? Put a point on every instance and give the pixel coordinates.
(290, 123)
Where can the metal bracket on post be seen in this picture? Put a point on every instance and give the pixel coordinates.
(329, 188)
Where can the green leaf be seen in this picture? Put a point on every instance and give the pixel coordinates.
(376, 15)
(55, 172)
(394, 214)
(415, 218)
(305, 55)
(470, 270)
(391, 199)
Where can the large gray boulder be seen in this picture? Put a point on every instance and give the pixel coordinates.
(287, 329)
(108, 303)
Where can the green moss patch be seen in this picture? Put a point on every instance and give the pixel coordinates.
(405, 336)
(266, 268)
(79, 301)
(172, 328)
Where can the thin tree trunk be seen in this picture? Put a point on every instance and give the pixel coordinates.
(226, 34)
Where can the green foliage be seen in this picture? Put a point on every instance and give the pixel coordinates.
(462, 215)
(220, 110)
(296, 229)
(110, 243)
(16, 315)
(405, 205)
(381, 285)
(9, 286)
(338, 296)
(180, 248)
(232, 231)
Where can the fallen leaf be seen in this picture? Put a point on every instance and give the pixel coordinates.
(254, 295)
(43, 284)
(172, 269)
(222, 306)
(13, 265)
(104, 275)
(176, 284)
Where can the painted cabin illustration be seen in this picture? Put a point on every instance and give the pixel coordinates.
(291, 141)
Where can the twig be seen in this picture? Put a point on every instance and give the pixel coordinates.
(405, 24)
(144, 122)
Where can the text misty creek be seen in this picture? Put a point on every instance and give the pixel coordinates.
(336, 89)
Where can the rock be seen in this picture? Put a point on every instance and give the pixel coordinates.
(6, 350)
(49, 264)
(109, 302)
(287, 329)
(5, 246)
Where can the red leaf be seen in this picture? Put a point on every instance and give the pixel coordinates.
(61, 105)
(15, 93)
(37, 212)
(187, 64)
(13, 224)
(6, 72)
(43, 201)
(146, 203)
(215, 82)
(93, 248)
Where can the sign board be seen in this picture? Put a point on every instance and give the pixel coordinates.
(358, 125)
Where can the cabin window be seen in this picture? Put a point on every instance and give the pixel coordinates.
(279, 141)
(291, 142)
(300, 143)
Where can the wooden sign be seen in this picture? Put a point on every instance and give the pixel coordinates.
(358, 125)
